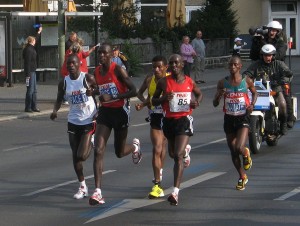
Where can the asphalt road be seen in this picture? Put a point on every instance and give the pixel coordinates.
(38, 181)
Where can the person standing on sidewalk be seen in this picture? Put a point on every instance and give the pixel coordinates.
(159, 66)
(71, 40)
(237, 109)
(179, 95)
(114, 89)
(77, 87)
(188, 53)
(199, 59)
(30, 65)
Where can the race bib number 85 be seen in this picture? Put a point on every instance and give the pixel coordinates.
(180, 102)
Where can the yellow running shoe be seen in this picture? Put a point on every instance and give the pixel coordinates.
(156, 192)
(241, 183)
(247, 161)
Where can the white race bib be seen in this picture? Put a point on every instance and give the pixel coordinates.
(180, 102)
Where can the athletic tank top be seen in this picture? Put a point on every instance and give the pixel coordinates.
(179, 106)
(151, 90)
(82, 107)
(109, 84)
(236, 98)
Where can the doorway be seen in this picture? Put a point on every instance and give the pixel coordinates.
(289, 24)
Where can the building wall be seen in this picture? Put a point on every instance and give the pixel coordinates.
(249, 14)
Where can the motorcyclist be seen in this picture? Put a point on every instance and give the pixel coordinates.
(274, 36)
(277, 72)
(277, 38)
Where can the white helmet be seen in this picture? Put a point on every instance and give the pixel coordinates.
(268, 49)
(275, 25)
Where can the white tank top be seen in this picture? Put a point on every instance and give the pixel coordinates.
(82, 107)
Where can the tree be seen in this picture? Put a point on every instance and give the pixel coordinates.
(119, 19)
(217, 20)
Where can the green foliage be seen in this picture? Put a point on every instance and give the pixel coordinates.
(119, 20)
(131, 52)
(216, 20)
(82, 23)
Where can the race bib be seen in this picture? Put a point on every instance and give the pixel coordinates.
(78, 98)
(180, 102)
(109, 88)
(235, 106)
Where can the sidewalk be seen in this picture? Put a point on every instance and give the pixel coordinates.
(12, 98)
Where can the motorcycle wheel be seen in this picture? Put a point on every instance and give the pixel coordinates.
(255, 136)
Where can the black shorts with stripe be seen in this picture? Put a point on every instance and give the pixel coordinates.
(80, 130)
(178, 126)
(233, 123)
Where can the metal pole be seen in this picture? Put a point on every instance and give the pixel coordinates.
(96, 27)
(61, 36)
(9, 51)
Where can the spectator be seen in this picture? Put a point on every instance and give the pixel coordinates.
(237, 46)
(76, 48)
(72, 38)
(187, 52)
(119, 58)
(30, 65)
(199, 63)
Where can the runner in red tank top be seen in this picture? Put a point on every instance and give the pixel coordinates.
(114, 88)
(174, 93)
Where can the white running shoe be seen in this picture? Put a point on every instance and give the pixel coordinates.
(186, 157)
(137, 154)
(96, 199)
(82, 192)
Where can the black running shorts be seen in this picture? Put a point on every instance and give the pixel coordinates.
(182, 126)
(233, 123)
(114, 118)
(80, 130)
(156, 121)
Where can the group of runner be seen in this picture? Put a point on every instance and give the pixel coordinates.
(171, 98)
(170, 101)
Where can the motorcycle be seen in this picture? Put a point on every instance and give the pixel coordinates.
(264, 121)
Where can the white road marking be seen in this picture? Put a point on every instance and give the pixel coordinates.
(209, 143)
(25, 146)
(289, 194)
(131, 204)
(141, 124)
(63, 184)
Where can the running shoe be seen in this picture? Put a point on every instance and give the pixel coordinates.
(247, 161)
(173, 199)
(82, 192)
(156, 192)
(96, 199)
(186, 157)
(241, 183)
(137, 154)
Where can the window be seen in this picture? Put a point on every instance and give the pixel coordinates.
(289, 6)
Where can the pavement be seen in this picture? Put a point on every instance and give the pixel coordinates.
(12, 99)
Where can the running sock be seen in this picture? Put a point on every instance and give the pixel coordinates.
(98, 190)
(136, 148)
(176, 190)
(82, 183)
